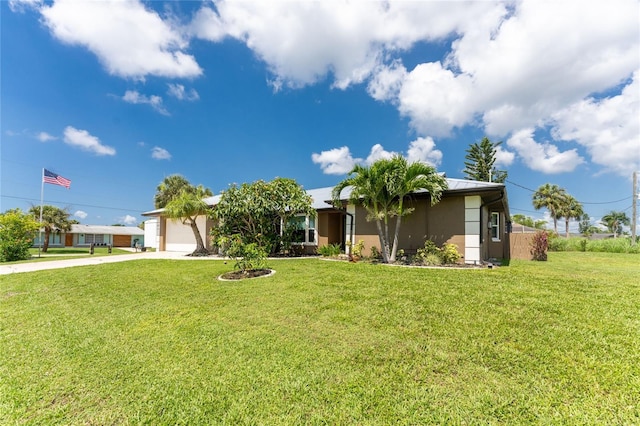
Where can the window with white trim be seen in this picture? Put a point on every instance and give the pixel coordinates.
(305, 229)
(494, 226)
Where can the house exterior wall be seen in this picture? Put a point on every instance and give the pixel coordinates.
(454, 220)
(329, 228)
(152, 233)
(179, 237)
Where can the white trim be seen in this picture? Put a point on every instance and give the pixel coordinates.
(472, 226)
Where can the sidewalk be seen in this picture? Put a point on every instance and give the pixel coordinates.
(88, 260)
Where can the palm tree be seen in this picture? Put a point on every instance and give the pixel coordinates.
(382, 190)
(186, 207)
(406, 179)
(550, 197)
(171, 187)
(570, 209)
(480, 162)
(54, 219)
(614, 221)
(368, 188)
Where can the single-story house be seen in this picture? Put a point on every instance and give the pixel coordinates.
(472, 215)
(100, 235)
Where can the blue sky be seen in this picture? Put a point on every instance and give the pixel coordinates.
(116, 95)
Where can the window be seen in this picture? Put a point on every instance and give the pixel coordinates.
(494, 226)
(305, 229)
(96, 239)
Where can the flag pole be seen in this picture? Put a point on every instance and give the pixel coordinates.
(41, 203)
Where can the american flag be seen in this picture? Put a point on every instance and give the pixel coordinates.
(54, 179)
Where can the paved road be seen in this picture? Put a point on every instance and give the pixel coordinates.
(88, 260)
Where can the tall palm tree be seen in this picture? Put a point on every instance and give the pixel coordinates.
(382, 190)
(569, 209)
(54, 219)
(186, 207)
(171, 187)
(550, 197)
(406, 179)
(614, 221)
(368, 189)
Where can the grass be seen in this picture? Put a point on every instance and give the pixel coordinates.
(321, 342)
(67, 253)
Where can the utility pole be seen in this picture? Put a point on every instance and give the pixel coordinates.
(634, 209)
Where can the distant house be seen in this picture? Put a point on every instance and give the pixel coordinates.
(100, 235)
(472, 215)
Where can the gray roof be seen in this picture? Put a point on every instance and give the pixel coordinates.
(106, 230)
(321, 196)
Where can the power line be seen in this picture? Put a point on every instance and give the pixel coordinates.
(581, 202)
(75, 204)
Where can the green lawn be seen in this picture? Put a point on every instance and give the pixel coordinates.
(321, 342)
(68, 253)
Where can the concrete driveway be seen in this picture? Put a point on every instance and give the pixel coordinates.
(88, 260)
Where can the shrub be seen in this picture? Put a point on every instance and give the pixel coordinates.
(432, 255)
(329, 250)
(449, 254)
(539, 246)
(16, 235)
(357, 248)
(247, 256)
(375, 253)
(431, 259)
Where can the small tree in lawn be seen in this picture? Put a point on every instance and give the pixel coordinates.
(17, 231)
(54, 219)
(186, 207)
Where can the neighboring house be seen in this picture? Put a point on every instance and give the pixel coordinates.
(472, 215)
(100, 235)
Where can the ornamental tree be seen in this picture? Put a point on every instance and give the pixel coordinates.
(258, 211)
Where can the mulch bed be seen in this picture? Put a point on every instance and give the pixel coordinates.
(242, 275)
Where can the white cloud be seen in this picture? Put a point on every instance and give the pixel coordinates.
(543, 157)
(378, 153)
(337, 161)
(158, 153)
(23, 5)
(608, 128)
(503, 157)
(386, 82)
(303, 42)
(178, 91)
(436, 99)
(134, 97)
(45, 137)
(128, 220)
(129, 39)
(424, 150)
(85, 141)
(81, 214)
